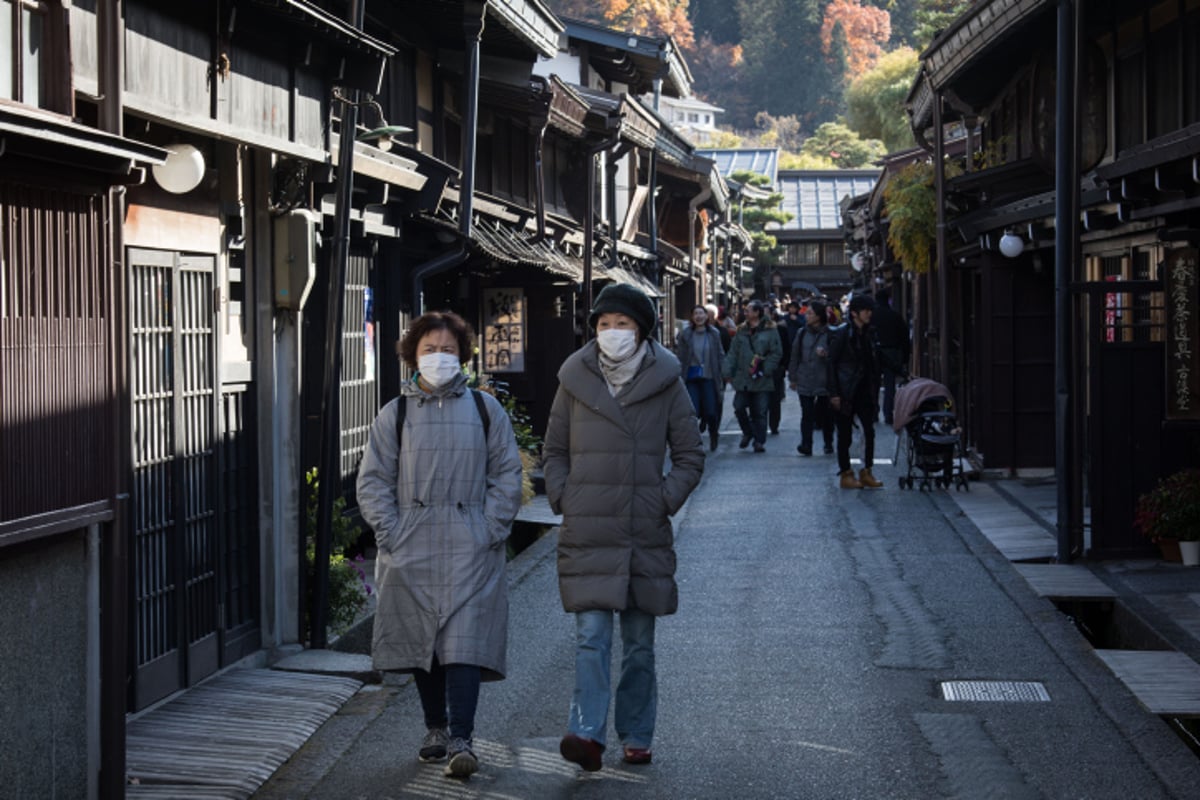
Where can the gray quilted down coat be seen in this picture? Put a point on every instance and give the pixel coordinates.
(440, 523)
(603, 462)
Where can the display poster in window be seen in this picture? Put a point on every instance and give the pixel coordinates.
(1182, 283)
(504, 330)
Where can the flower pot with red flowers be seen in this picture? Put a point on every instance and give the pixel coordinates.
(1170, 512)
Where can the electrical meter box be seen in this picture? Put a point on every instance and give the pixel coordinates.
(295, 257)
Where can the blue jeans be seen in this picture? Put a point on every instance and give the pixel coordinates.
(637, 691)
(703, 393)
(751, 408)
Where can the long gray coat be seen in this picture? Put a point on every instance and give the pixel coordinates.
(440, 523)
(603, 461)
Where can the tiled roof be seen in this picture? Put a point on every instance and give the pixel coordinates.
(813, 197)
(764, 161)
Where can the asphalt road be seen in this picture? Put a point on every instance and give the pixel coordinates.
(815, 628)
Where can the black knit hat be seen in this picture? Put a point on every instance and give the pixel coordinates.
(862, 302)
(622, 298)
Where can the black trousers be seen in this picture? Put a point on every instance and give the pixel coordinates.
(865, 411)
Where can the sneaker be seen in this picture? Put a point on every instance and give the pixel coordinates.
(581, 751)
(745, 441)
(462, 763)
(712, 439)
(804, 451)
(433, 746)
(758, 448)
(849, 481)
(637, 755)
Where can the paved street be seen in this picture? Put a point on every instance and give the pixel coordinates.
(814, 630)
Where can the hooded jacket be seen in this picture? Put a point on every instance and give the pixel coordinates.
(603, 461)
(441, 514)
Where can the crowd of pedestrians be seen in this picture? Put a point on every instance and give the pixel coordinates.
(440, 484)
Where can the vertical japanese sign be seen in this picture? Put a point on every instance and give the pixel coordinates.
(368, 334)
(1182, 283)
(504, 330)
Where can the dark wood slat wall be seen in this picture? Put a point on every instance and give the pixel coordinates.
(55, 384)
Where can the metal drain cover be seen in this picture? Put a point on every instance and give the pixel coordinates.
(995, 691)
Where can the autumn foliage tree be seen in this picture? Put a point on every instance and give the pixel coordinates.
(866, 29)
(645, 17)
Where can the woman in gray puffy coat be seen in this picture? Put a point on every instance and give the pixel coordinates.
(620, 405)
(441, 496)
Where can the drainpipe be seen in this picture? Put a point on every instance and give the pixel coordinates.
(589, 222)
(114, 545)
(693, 212)
(474, 12)
(1066, 247)
(330, 470)
(653, 185)
(540, 178)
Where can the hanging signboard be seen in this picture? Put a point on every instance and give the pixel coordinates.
(504, 330)
(1182, 284)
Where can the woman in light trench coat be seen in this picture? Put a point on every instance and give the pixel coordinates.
(620, 405)
(441, 495)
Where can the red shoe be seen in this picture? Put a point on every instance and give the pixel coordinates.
(637, 755)
(581, 751)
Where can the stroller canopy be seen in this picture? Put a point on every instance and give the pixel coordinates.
(910, 396)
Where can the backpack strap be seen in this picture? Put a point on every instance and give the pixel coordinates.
(483, 412)
(402, 410)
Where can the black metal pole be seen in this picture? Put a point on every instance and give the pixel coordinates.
(939, 261)
(330, 473)
(1066, 220)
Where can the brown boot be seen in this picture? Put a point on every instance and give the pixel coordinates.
(865, 478)
(849, 481)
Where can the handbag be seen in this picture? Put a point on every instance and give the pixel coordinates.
(695, 372)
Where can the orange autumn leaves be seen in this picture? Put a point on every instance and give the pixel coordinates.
(866, 28)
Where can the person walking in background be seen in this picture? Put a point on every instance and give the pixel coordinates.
(779, 392)
(698, 348)
(808, 376)
(714, 319)
(895, 347)
(620, 409)
(853, 373)
(750, 366)
(440, 484)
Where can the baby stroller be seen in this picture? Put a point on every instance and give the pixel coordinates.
(924, 418)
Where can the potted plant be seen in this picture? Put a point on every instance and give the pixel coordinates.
(1171, 511)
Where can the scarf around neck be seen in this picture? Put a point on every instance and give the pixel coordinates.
(619, 373)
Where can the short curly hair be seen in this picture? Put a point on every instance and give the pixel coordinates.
(406, 348)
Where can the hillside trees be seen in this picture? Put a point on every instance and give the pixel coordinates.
(875, 100)
(842, 146)
(866, 30)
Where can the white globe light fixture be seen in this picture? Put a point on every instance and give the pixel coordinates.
(182, 171)
(1011, 245)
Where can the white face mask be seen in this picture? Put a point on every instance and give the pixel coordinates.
(438, 369)
(617, 343)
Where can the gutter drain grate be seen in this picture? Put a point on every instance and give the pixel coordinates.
(995, 691)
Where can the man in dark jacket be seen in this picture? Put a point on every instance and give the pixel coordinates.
(750, 365)
(894, 347)
(854, 389)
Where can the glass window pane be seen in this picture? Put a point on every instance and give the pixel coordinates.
(31, 26)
